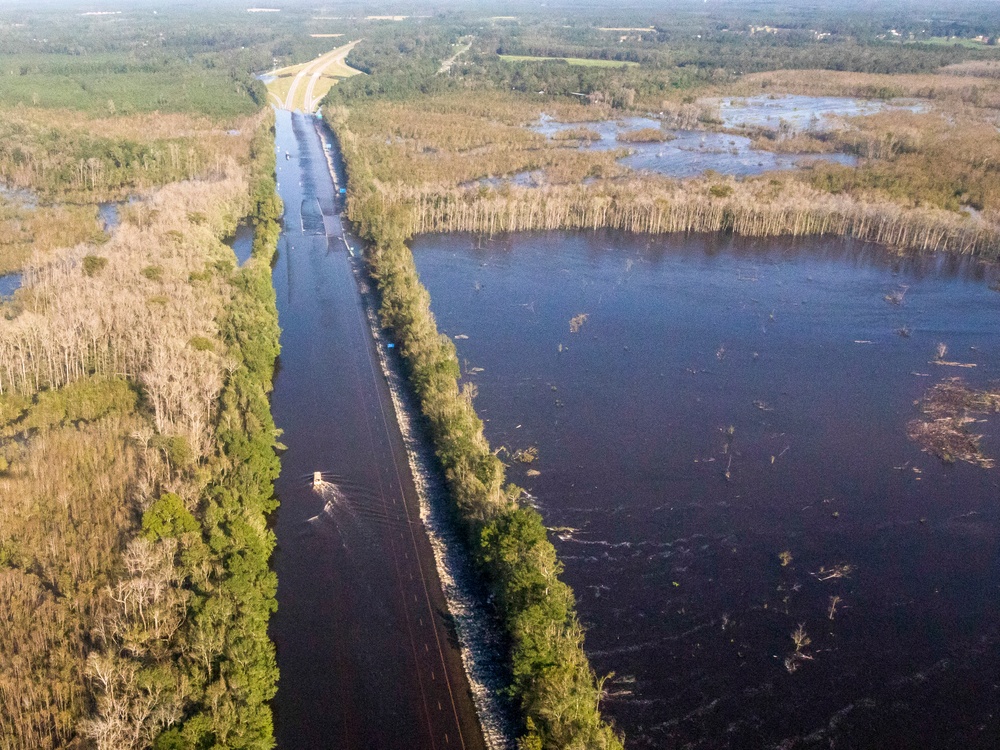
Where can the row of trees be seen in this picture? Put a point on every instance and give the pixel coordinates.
(747, 208)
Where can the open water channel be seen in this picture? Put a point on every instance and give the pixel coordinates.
(723, 402)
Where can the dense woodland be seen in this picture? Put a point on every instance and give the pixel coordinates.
(139, 446)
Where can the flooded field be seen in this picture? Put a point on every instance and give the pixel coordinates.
(686, 153)
(814, 113)
(760, 552)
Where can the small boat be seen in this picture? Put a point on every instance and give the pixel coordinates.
(317, 478)
(287, 156)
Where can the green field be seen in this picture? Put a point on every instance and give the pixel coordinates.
(953, 41)
(588, 62)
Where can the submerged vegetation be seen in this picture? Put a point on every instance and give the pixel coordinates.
(947, 411)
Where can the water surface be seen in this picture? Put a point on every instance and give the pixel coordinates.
(10, 283)
(724, 402)
(364, 643)
(109, 215)
(242, 241)
(688, 152)
(803, 113)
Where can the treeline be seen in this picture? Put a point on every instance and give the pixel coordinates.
(91, 159)
(135, 479)
(751, 208)
(727, 48)
(553, 684)
(108, 84)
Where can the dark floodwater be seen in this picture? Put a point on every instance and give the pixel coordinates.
(780, 364)
(365, 649)
(242, 241)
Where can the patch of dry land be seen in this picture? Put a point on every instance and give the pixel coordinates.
(302, 87)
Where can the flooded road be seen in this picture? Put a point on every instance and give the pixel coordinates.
(366, 655)
(760, 553)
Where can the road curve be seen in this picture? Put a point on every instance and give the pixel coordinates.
(366, 653)
(339, 55)
(314, 71)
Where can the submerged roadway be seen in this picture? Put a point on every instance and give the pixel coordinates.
(366, 655)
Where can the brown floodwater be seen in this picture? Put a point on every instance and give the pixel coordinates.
(723, 458)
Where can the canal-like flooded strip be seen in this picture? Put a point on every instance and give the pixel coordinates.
(481, 643)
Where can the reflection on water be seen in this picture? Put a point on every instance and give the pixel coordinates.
(722, 456)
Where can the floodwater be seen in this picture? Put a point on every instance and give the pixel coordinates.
(365, 647)
(242, 241)
(692, 152)
(109, 214)
(813, 113)
(726, 401)
(10, 283)
(689, 152)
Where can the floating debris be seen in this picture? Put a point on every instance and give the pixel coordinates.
(842, 570)
(526, 455)
(896, 297)
(577, 321)
(947, 409)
